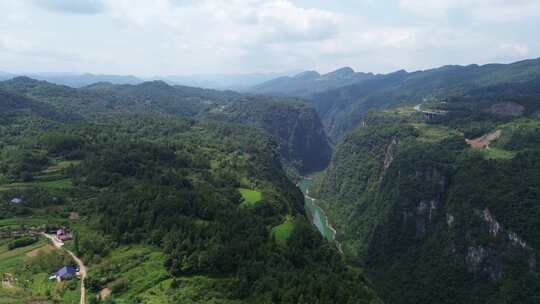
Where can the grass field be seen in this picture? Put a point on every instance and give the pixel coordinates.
(53, 178)
(31, 221)
(61, 165)
(10, 259)
(496, 153)
(251, 197)
(434, 133)
(283, 232)
(141, 266)
(60, 184)
(148, 280)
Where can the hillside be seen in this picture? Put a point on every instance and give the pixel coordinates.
(342, 97)
(16, 106)
(162, 208)
(294, 125)
(342, 109)
(104, 99)
(432, 218)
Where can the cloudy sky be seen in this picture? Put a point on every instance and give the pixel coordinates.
(180, 37)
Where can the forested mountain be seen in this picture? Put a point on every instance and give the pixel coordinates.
(75, 80)
(342, 109)
(308, 83)
(295, 126)
(13, 106)
(437, 218)
(190, 210)
(432, 187)
(103, 99)
(341, 98)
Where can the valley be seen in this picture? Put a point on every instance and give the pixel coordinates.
(269, 152)
(172, 194)
(316, 214)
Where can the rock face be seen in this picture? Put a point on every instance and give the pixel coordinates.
(429, 224)
(295, 126)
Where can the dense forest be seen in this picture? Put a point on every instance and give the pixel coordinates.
(180, 187)
(294, 126)
(436, 218)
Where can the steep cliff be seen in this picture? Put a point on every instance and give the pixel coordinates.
(294, 125)
(434, 220)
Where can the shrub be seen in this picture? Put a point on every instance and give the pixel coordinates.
(21, 242)
(119, 285)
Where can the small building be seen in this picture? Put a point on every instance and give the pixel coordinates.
(60, 232)
(64, 273)
(62, 235)
(16, 200)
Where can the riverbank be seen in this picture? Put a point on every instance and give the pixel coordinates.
(317, 215)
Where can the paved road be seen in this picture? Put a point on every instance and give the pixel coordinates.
(82, 268)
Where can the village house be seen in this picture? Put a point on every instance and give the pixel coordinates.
(62, 235)
(64, 273)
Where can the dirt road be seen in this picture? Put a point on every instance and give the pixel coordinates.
(82, 268)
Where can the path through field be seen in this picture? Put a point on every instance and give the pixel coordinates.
(82, 268)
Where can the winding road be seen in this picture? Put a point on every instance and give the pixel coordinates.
(82, 268)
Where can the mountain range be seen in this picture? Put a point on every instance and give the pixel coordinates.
(346, 187)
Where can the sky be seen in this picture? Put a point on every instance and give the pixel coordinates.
(183, 37)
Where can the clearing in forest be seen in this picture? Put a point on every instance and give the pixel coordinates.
(283, 232)
(251, 197)
(483, 142)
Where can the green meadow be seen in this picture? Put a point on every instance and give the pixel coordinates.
(251, 197)
(283, 231)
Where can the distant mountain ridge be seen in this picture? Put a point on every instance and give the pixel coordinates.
(310, 82)
(237, 82)
(75, 80)
(342, 97)
(341, 109)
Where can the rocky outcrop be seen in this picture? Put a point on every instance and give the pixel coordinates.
(389, 153)
(492, 258)
(295, 126)
(485, 261)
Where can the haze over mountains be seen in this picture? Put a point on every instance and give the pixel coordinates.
(239, 82)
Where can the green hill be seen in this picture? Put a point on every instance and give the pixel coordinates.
(159, 215)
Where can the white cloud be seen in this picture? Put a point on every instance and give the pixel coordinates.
(479, 10)
(211, 36)
(230, 22)
(71, 6)
(514, 49)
